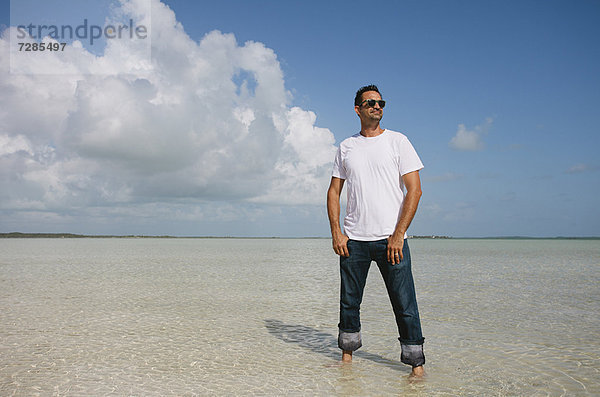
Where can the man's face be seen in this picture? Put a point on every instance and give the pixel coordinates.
(365, 112)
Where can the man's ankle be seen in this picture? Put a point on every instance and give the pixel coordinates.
(418, 371)
(346, 355)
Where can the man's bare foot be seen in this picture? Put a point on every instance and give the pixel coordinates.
(346, 356)
(417, 372)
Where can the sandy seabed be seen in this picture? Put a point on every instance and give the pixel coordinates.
(258, 317)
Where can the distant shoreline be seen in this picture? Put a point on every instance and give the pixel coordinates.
(433, 237)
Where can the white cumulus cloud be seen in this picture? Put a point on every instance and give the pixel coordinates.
(470, 140)
(206, 120)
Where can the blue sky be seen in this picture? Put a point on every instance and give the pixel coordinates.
(500, 99)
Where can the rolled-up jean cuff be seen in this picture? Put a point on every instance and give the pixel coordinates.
(349, 341)
(412, 355)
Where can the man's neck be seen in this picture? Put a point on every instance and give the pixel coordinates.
(370, 131)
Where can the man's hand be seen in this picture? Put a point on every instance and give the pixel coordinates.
(340, 245)
(394, 249)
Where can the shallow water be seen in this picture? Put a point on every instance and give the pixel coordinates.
(259, 316)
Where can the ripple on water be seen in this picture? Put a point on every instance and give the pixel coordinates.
(258, 317)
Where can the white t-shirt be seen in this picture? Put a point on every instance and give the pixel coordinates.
(373, 169)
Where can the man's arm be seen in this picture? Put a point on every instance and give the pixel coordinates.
(339, 239)
(409, 208)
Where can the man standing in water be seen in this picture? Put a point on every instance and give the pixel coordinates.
(377, 164)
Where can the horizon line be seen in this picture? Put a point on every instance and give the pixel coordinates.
(433, 237)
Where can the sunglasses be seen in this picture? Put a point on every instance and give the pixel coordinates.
(371, 103)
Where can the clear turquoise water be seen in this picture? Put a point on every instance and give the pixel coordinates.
(258, 317)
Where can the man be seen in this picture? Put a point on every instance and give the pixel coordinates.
(377, 164)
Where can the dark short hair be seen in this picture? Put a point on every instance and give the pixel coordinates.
(362, 90)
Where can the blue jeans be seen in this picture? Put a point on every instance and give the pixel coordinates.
(401, 290)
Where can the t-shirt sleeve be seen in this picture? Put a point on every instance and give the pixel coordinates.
(409, 159)
(338, 166)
